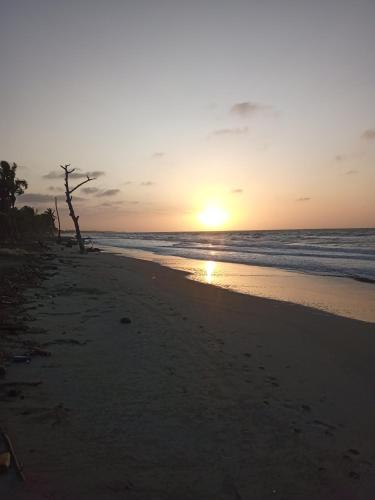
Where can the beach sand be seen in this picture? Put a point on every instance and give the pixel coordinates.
(205, 394)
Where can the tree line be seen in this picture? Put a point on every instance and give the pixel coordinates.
(26, 223)
(18, 224)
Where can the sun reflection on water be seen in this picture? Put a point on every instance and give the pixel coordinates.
(209, 267)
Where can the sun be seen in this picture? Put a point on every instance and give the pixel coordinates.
(213, 216)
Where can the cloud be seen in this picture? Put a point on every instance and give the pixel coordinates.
(43, 198)
(94, 173)
(339, 158)
(306, 198)
(369, 134)
(351, 172)
(36, 198)
(91, 190)
(147, 183)
(55, 174)
(54, 188)
(126, 183)
(113, 204)
(248, 108)
(231, 131)
(158, 154)
(108, 192)
(237, 191)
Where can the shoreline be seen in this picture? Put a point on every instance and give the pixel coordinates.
(337, 295)
(204, 394)
(320, 257)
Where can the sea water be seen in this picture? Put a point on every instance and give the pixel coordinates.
(330, 269)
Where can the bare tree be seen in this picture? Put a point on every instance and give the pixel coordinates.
(58, 222)
(68, 194)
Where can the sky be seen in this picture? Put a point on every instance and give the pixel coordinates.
(260, 113)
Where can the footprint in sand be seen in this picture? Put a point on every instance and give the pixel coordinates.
(353, 451)
(354, 475)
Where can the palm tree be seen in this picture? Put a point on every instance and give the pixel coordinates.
(49, 220)
(10, 187)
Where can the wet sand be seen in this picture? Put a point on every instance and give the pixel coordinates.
(205, 394)
(342, 296)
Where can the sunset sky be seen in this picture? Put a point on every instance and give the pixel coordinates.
(263, 111)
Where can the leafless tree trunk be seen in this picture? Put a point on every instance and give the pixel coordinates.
(68, 194)
(58, 221)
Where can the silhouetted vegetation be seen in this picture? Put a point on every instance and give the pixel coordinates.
(24, 224)
(10, 187)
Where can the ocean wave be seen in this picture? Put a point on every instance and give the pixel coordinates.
(344, 253)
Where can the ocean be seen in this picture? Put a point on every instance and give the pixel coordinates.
(331, 270)
(346, 253)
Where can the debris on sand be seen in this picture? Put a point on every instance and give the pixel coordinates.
(125, 320)
(4, 462)
(12, 454)
(66, 341)
(37, 351)
(21, 359)
(14, 393)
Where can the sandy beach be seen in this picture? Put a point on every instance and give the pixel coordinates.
(159, 387)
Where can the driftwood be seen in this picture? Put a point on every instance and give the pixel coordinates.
(4, 461)
(11, 450)
(68, 194)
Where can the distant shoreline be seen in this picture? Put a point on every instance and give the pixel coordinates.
(359, 228)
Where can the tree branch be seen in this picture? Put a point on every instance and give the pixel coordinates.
(82, 183)
(66, 169)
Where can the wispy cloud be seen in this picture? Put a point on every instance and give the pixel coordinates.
(237, 191)
(108, 192)
(369, 134)
(248, 108)
(147, 183)
(90, 190)
(82, 175)
(113, 204)
(54, 188)
(302, 199)
(158, 154)
(43, 198)
(339, 158)
(55, 174)
(230, 131)
(351, 172)
(126, 183)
